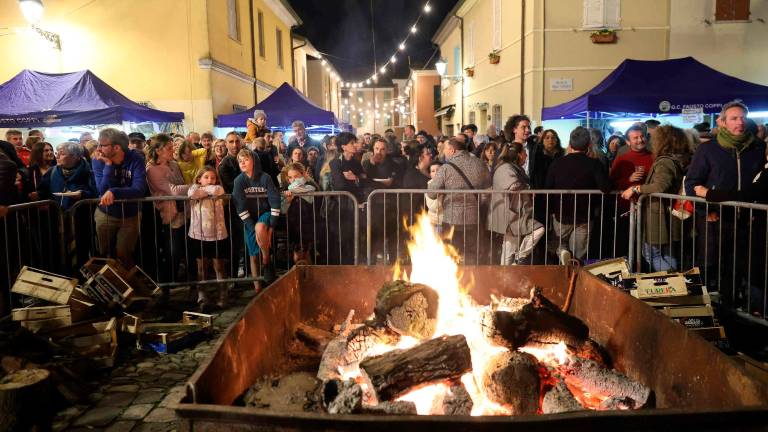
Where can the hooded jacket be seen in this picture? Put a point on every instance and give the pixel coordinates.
(126, 181)
(248, 194)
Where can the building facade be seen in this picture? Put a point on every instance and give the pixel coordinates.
(371, 109)
(516, 56)
(201, 57)
(316, 77)
(424, 100)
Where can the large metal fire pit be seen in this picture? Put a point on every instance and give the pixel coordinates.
(694, 383)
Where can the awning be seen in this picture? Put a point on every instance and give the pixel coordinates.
(445, 111)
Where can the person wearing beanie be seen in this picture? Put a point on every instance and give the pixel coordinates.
(257, 126)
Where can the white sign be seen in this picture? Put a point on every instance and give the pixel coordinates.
(561, 84)
(693, 115)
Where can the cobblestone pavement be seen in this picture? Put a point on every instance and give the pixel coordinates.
(140, 393)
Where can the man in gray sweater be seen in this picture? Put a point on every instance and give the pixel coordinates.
(462, 171)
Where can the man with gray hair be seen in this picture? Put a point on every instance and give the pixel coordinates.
(301, 139)
(730, 161)
(575, 171)
(120, 174)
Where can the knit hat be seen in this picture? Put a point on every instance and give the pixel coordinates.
(257, 114)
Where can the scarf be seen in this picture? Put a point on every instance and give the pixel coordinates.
(739, 143)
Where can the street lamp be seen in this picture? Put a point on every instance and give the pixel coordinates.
(33, 13)
(32, 10)
(441, 65)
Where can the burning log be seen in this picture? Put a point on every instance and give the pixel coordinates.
(348, 398)
(395, 373)
(350, 347)
(592, 378)
(560, 400)
(537, 321)
(392, 407)
(313, 337)
(511, 379)
(617, 404)
(408, 309)
(457, 401)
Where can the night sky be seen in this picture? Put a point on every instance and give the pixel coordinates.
(342, 30)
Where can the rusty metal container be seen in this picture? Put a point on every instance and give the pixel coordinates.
(694, 383)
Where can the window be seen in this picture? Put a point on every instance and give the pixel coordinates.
(472, 117)
(437, 97)
(262, 51)
(457, 61)
(496, 27)
(732, 10)
(304, 79)
(279, 41)
(602, 14)
(233, 19)
(496, 116)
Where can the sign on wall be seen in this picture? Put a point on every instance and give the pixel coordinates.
(561, 84)
(693, 115)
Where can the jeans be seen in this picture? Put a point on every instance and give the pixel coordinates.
(659, 257)
(573, 236)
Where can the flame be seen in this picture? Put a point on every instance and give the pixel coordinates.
(556, 355)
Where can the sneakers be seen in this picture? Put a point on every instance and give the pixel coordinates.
(564, 255)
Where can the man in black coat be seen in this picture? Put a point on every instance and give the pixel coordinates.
(572, 221)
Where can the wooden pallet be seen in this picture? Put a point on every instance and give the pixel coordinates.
(43, 285)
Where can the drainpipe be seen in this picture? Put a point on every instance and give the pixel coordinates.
(461, 20)
(522, 57)
(293, 59)
(253, 54)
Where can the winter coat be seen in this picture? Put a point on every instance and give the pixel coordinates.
(228, 171)
(207, 222)
(511, 212)
(665, 176)
(167, 180)
(715, 167)
(81, 179)
(461, 209)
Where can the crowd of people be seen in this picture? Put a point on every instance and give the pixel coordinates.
(269, 178)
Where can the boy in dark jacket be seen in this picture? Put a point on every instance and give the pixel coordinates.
(259, 216)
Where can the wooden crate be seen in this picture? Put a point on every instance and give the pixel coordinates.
(46, 324)
(195, 326)
(142, 283)
(40, 313)
(82, 306)
(44, 285)
(95, 264)
(614, 271)
(86, 337)
(658, 285)
(108, 286)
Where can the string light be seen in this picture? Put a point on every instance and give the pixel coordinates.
(427, 8)
(393, 59)
(414, 29)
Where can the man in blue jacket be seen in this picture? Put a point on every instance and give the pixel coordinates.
(730, 161)
(120, 174)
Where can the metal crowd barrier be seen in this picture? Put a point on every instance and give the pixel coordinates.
(30, 236)
(604, 225)
(316, 228)
(727, 241)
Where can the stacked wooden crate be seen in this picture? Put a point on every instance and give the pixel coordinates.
(52, 293)
(681, 296)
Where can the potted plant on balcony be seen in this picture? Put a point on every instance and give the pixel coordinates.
(470, 71)
(603, 36)
(494, 57)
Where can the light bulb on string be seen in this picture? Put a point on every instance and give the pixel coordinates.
(323, 62)
(414, 29)
(427, 8)
(393, 59)
(383, 69)
(402, 46)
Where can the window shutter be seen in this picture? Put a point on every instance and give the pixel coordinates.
(732, 10)
(602, 14)
(471, 44)
(496, 39)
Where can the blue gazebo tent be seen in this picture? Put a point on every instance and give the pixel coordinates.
(36, 99)
(640, 88)
(282, 107)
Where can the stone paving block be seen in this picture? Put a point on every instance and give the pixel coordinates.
(121, 426)
(137, 412)
(161, 415)
(149, 397)
(121, 399)
(175, 395)
(174, 376)
(145, 365)
(98, 416)
(130, 388)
